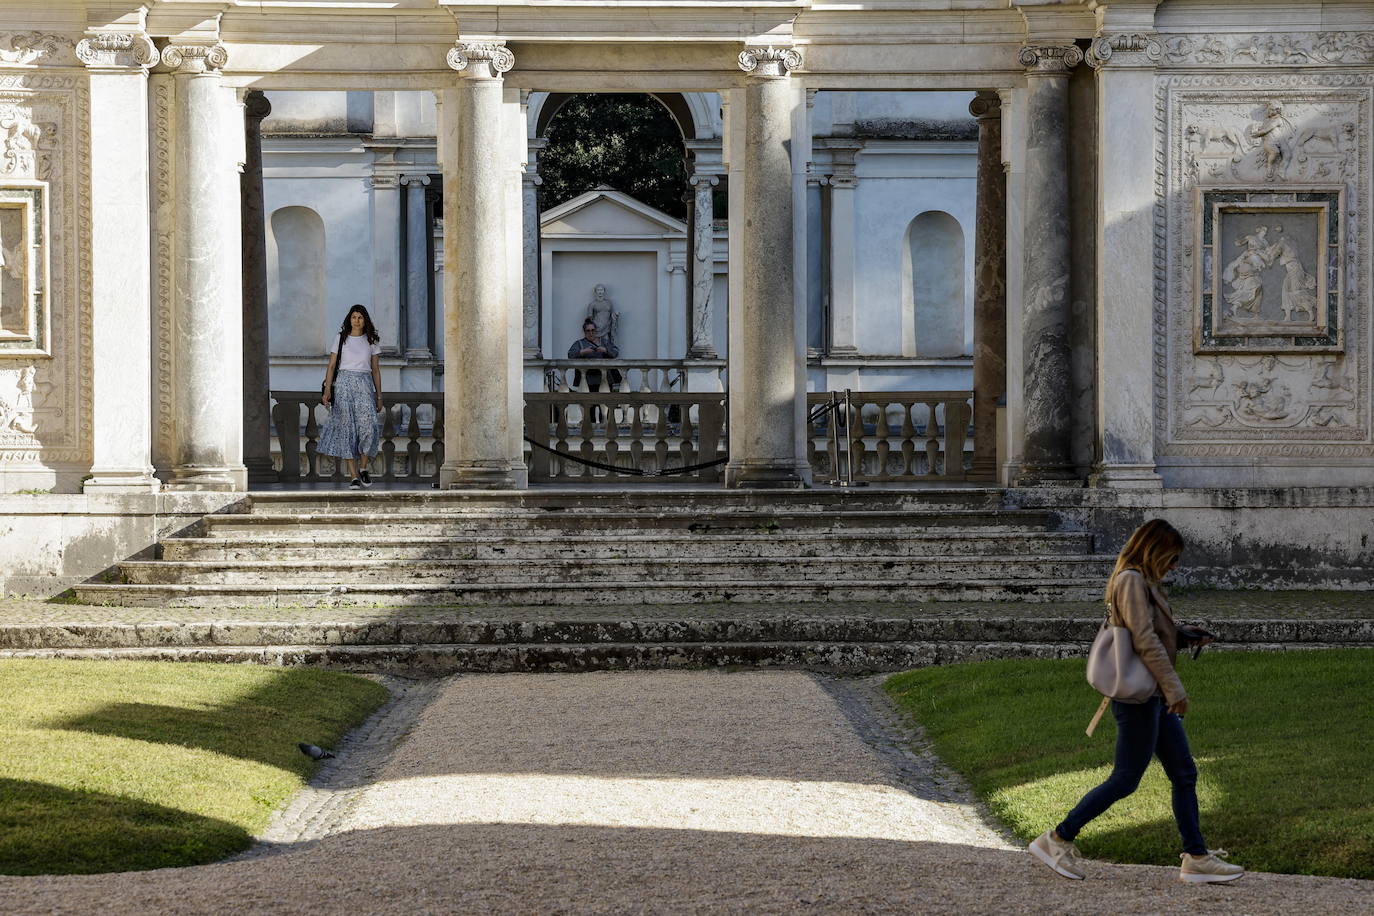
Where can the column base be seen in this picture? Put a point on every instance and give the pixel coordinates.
(765, 477)
(260, 470)
(475, 477)
(190, 477)
(418, 353)
(984, 470)
(1047, 477)
(1126, 477)
(706, 352)
(533, 353)
(114, 480)
(843, 352)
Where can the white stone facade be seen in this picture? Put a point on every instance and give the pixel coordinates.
(1152, 333)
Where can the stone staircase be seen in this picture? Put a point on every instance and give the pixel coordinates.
(588, 547)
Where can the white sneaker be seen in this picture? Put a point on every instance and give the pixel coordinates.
(1208, 869)
(1058, 854)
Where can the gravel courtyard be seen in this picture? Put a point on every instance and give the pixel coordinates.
(662, 791)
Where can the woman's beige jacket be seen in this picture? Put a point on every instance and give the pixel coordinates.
(1143, 609)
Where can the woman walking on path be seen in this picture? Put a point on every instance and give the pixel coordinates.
(352, 386)
(1135, 600)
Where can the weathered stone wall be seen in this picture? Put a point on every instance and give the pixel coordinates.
(1262, 262)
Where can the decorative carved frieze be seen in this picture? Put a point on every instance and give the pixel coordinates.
(480, 58)
(1262, 265)
(123, 50)
(198, 58)
(1050, 59)
(36, 48)
(770, 62)
(1267, 49)
(1129, 49)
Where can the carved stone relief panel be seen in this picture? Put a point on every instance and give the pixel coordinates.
(45, 374)
(1262, 265)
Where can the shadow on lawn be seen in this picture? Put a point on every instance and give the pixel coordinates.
(46, 830)
(252, 727)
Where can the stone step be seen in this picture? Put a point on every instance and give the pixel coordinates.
(632, 498)
(674, 543)
(784, 624)
(437, 524)
(840, 572)
(852, 657)
(609, 592)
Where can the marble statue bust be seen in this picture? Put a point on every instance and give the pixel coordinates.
(602, 311)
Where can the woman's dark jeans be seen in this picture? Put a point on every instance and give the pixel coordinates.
(1145, 730)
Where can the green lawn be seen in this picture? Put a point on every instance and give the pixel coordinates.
(114, 766)
(1284, 744)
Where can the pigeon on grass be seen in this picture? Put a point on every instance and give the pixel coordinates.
(313, 752)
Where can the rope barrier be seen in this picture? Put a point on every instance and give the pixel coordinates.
(632, 472)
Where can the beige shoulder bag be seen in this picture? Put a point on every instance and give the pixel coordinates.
(1116, 671)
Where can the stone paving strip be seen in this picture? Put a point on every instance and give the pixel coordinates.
(663, 792)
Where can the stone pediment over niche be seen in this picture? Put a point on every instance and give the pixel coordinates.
(605, 213)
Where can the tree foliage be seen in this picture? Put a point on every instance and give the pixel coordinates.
(628, 142)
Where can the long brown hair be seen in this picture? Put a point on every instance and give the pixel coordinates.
(1150, 550)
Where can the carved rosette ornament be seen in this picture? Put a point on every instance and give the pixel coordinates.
(480, 58)
(117, 50)
(1130, 49)
(769, 62)
(195, 58)
(1050, 59)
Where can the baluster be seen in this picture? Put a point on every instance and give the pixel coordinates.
(637, 436)
(956, 430)
(389, 442)
(312, 448)
(561, 440)
(287, 417)
(436, 435)
(908, 433)
(585, 448)
(413, 441)
(881, 446)
(932, 439)
(661, 439)
(687, 445)
(612, 446)
(710, 424)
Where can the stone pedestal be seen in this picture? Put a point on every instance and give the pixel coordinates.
(207, 342)
(257, 382)
(764, 432)
(480, 448)
(121, 365)
(416, 280)
(1047, 311)
(1125, 259)
(989, 286)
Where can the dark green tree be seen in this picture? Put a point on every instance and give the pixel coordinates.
(628, 142)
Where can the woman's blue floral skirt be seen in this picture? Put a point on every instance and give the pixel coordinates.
(352, 428)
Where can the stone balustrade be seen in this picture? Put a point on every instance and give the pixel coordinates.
(638, 375)
(412, 438)
(892, 436)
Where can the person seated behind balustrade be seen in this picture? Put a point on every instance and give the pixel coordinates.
(590, 346)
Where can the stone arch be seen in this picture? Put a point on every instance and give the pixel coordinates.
(696, 118)
(296, 281)
(933, 283)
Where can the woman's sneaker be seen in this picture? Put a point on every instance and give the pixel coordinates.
(355, 484)
(1058, 854)
(365, 477)
(1208, 869)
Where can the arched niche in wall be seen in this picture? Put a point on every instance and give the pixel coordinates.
(295, 282)
(933, 283)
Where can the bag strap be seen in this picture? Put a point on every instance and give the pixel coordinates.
(1097, 716)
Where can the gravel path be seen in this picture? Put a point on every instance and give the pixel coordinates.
(662, 791)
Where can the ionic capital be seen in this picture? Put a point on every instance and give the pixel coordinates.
(480, 59)
(255, 105)
(1050, 59)
(986, 105)
(769, 62)
(703, 181)
(204, 58)
(415, 179)
(117, 51)
(1127, 49)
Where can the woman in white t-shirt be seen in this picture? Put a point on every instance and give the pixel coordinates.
(352, 386)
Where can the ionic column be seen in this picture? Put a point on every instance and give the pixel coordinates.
(257, 379)
(1046, 457)
(703, 344)
(207, 342)
(989, 286)
(121, 366)
(416, 283)
(478, 419)
(529, 206)
(843, 185)
(1125, 259)
(388, 302)
(764, 419)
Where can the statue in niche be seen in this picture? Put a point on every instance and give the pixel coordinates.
(1275, 135)
(602, 311)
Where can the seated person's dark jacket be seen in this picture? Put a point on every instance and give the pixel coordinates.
(582, 348)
